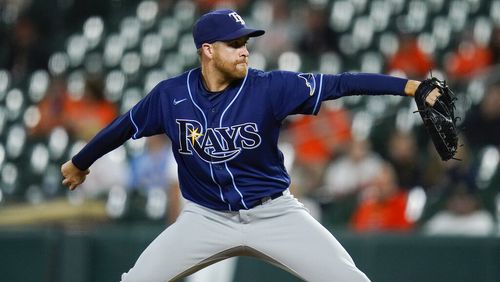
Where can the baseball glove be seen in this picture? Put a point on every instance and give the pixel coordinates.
(439, 119)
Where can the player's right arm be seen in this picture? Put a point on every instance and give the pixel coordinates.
(144, 119)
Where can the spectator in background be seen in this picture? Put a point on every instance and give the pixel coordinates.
(383, 205)
(469, 59)
(155, 168)
(440, 179)
(482, 122)
(317, 140)
(86, 116)
(462, 215)
(410, 59)
(494, 45)
(282, 27)
(25, 52)
(350, 173)
(51, 107)
(345, 179)
(317, 37)
(403, 153)
(208, 5)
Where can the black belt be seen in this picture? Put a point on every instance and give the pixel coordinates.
(269, 198)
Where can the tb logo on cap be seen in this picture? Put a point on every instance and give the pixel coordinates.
(237, 18)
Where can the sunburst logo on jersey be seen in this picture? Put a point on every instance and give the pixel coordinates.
(194, 134)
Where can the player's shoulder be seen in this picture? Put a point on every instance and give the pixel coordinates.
(256, 73)
(172, 84)
(272, 77)
(275, 78)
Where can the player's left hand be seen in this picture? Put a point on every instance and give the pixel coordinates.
(73, 176)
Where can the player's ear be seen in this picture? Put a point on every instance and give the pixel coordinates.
(207, 50)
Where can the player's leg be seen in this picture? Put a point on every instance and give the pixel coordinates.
(220, 272)
(284, 232)
(198, 238)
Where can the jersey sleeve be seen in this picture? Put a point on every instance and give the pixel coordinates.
(348, 84)
(144, 119)
(146, 116)
(302, 93)
(295, 93)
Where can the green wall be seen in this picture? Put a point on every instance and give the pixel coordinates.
(103, 253)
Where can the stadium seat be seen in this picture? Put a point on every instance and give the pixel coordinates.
(130, 30)
(51, 180)
(380, 12)
(156, 204)
(93, 30)
(169, 29)
(488, 160)
(388, 44)
(58, 142)
(173, 64)
(114, 84)
(495, 12)
(58, 63)
(14, 103)
(38, 84)
(441, 32)
(31, 117)
(185, 12)
(93, 64)
(151, 47)
(15, 142)
(457, 15)
(9, 179)
(330, 63)
(39, 159)
(4, 83)
(290, 61)
(152, 78)
(76, 48)
(130, 64)
(34, 194)
(482, 30)
(76, 84)
(3, 122)
(2, 155)
(372, 62)
(113, 50)
(147, 12)
(130, 97)
(341, 15)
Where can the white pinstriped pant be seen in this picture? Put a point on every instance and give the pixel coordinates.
(280, 231)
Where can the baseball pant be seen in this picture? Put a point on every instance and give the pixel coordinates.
(280, 231)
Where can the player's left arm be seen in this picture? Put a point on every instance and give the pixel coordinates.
(347, 84)
(302, 93)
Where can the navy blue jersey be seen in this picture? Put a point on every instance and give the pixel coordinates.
(226, 143)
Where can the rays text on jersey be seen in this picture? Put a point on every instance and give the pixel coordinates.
(216, 145)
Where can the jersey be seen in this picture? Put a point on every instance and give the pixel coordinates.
(226, 143)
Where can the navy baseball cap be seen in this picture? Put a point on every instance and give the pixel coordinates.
(221, 25)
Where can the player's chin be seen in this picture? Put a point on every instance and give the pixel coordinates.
(241, 70)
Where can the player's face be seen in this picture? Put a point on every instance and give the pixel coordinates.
(231, 57)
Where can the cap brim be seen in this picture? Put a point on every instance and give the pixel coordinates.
(250, 32)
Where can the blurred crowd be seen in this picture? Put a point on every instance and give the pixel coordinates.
(374, 174)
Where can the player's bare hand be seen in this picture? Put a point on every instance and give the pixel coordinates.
(73, 176)
(432, 97)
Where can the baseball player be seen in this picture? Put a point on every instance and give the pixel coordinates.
(224, 119)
